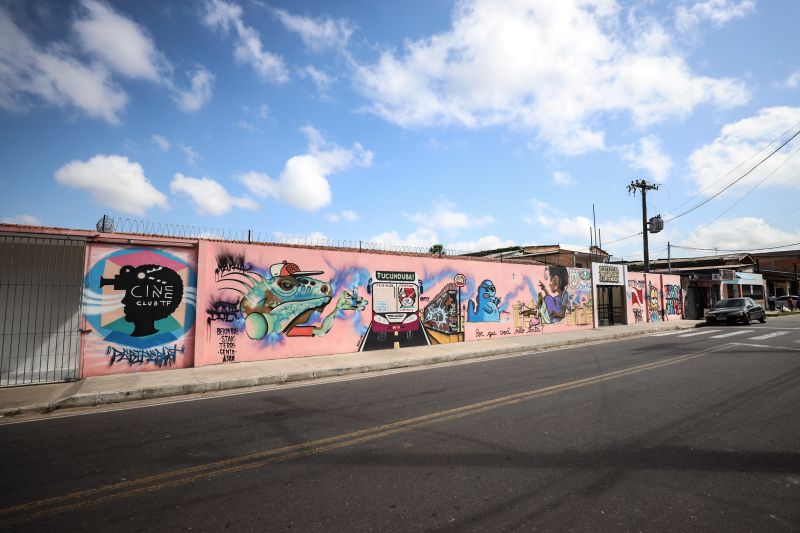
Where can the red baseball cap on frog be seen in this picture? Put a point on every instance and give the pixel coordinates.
(290, 269)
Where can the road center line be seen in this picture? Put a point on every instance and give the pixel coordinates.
(156, 482)
(754, 345)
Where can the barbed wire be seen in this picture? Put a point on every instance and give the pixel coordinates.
(147, 227)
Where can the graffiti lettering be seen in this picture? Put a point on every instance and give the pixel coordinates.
(223, 311)
(608, 274)
(637, 314)
(672, 300)
(227, 262)
(227, 344)
(163, 356)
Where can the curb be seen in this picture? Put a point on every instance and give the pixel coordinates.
(148, 393)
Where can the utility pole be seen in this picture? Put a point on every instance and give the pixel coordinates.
(644, 187)
(669, 258)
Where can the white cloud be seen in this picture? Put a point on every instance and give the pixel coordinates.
(718, 12)
(25, 220)
(192, 155)
(322, 81)
(739, 233)
(553, 67)
(248, 127)
(562, 179)
(260, 184)
(793, 81)
(161, 142)
(118, 42)
(421, 238)
(208, 196)
(53, 76)
(198, 95)
(315, 237)
(648, 155)
(444, 216)
(562, 227)
(348, 215)
(304, 180)
(740, 145)
(113, 181)
(489, 242)
(249, 49)
(317, 34)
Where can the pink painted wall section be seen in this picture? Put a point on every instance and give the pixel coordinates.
(261, 302)
(654, 297)
(673, 296)
(139, 305)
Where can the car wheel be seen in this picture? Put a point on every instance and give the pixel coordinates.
(747, 318)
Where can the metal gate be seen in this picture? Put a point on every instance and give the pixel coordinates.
(41, 279)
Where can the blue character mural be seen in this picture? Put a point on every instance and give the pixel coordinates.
(485, 307)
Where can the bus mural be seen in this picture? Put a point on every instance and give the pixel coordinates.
(395, 312)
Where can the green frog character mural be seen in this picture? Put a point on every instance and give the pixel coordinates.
(286, 301)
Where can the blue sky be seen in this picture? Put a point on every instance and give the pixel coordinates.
(476, 124)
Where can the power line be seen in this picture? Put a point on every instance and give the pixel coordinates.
(623, 238)
(735, 250)
(734, 204)
(731, 171)
(737, 180)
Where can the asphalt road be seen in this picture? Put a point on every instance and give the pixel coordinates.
(688, 431)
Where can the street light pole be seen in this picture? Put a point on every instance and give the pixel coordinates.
(644, 187)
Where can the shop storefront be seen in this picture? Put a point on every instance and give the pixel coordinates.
(610, 298)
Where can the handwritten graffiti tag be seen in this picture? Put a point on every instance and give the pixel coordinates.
(672, 297)
(163, 356)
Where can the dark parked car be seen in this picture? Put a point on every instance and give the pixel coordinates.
(736, 309)
(782, 303)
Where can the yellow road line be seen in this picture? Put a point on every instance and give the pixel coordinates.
(153, 483)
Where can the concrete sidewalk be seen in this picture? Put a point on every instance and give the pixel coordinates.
(158, 384)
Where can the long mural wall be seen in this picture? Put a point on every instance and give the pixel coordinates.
(138, 309)
(654, 297)
(161, 307)
(263, 302)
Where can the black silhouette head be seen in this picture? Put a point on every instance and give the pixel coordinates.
(152, 292)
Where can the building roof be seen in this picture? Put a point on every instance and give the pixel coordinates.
(539, 250)
(729, 261)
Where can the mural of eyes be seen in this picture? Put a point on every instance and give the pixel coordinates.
(286, 285)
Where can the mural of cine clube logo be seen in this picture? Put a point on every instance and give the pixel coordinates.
(140, 298)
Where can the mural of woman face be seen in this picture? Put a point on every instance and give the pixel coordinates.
(554, 283)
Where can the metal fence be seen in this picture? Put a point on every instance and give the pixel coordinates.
(41, 282)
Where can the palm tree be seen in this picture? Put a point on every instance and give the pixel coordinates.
(437, 249)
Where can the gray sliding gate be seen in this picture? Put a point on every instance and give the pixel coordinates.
(41, 280)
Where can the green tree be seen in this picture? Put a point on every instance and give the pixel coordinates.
(437, 249)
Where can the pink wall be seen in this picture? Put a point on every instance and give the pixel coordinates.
(252, 307)
(139, 305)
(654, 297)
